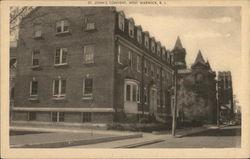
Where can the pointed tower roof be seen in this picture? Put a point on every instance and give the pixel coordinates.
(199, 59)
(208, 64)
(178, 44)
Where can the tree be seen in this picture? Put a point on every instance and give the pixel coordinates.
(16, 15)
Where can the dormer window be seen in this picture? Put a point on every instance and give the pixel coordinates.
(121, 19)
(139, 37)
(163, 54)
(146, 41)
(159, 50)
(62, 26)
(131, 28)
(153, 46)
(168, 57)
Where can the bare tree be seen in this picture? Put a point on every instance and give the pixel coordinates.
(16, 15)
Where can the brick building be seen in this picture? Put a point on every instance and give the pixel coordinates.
(90, 64)
(225, 96)
(196, 98)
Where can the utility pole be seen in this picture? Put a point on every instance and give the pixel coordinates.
(175, 103)
(218, 102)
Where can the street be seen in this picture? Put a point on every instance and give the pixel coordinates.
(228, 137)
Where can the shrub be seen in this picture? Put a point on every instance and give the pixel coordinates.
(144, 127)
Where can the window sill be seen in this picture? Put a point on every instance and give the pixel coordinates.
(37, 67)
(90, 97)
(33, 99)
(63, 33)
(59, 98)
(61, 65)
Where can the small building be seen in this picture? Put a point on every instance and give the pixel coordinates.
(90, 64)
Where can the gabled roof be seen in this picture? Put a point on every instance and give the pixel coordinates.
(208, 64)
(178, 44)
(122, 13)
(152, 38)
(146, 33)
(131, 20)
(139, 27)
(199, 59)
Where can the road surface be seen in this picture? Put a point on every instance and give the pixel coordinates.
(228, 137)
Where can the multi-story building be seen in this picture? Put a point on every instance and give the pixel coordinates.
(90, 64)
(225, 95)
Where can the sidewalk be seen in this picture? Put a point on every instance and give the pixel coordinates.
(85, 138)
(56, 138)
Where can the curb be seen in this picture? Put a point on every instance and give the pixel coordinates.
(198, 131)
(75, 142)
(141, 143)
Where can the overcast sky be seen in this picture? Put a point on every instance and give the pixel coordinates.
(216, 31)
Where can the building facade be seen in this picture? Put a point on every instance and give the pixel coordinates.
(196, 97)
(90, 64)
(225, 96)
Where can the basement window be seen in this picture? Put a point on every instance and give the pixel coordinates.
(86, 117)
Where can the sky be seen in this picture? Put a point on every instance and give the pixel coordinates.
(216, 31)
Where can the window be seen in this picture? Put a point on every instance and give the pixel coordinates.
(152, 70)
(88, 87)
(138, 94)
(153, 46)
(159, 50)
(146, 67)
(145, 95)
(37, 31)
(172, 59)
(89, 53)
(35, 57)
(158, 73)
(168, 57)
(57, 116)
(119, 54)
(54, 116)
(89, 21)
(130, 57)
(163, 99)
(121, 19)
(61, 56)
(138, 63)
(132, 91)
(61, 116)
(146, 41)
(163, 75)
(86, 117)
(33, 88)
(128, 92)
(62, 26)
(32, 116)
(158, 99)
(131, 28)
(163, 54)
(139, 38)
(59, 88)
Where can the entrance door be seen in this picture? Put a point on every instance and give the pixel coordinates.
(153, 101)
